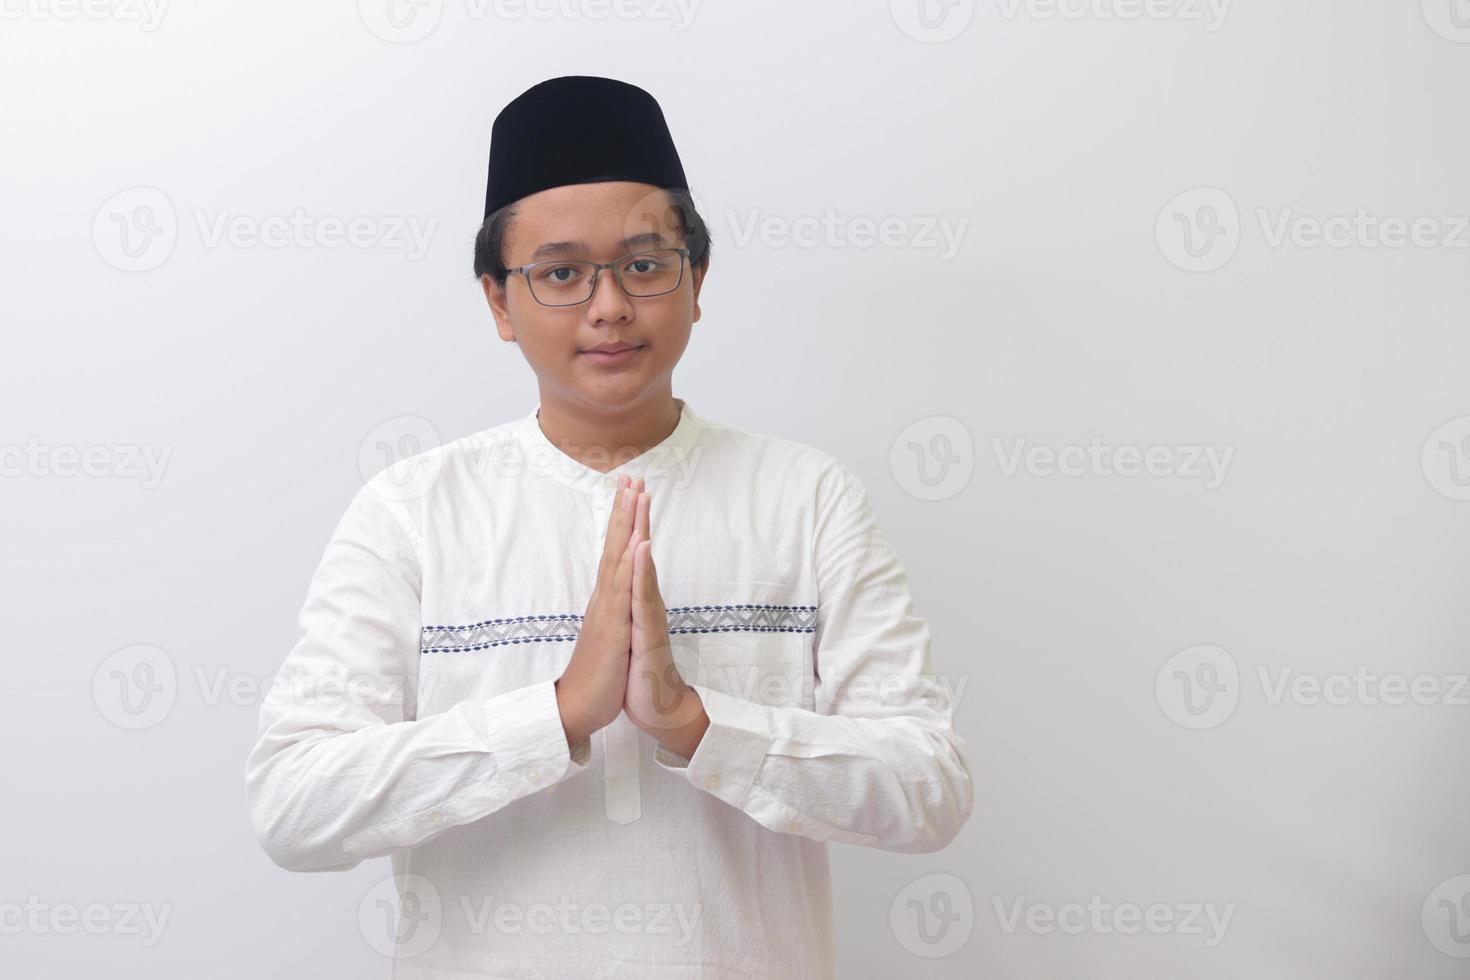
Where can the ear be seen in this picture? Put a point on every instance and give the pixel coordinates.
(698, 273)
(499, 308)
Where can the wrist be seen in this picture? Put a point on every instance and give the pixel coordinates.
(574, 720)
(684, 729)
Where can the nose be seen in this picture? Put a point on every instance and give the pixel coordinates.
(608, 301)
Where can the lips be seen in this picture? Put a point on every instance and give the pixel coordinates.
(612, 355)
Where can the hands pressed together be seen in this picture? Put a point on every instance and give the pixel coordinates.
(623, 661)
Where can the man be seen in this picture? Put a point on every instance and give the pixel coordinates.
(621, 672)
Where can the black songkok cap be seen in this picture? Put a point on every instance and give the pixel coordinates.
(579, 129)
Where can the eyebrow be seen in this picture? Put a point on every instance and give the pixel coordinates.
(568, 248)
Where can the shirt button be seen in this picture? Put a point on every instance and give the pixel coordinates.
(795, 826)
(712, 781)
(534, 775)
(436, 817)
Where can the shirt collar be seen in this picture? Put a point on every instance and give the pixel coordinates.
(669, 456)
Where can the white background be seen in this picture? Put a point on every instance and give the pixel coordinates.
(1332, 834)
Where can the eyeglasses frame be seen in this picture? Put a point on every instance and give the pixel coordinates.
(597, 268)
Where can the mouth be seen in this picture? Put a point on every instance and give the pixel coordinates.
(613, 354)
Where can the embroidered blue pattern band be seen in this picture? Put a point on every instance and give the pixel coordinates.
(746, 617)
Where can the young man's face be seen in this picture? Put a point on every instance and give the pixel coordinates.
(598, 222)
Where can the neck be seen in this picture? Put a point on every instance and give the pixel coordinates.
(601, 438)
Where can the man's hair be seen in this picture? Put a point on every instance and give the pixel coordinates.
(490, 242)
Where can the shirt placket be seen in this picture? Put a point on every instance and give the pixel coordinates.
(623, 796)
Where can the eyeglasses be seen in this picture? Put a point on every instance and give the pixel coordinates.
(559, 282)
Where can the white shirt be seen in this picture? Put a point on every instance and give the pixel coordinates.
(416, 715)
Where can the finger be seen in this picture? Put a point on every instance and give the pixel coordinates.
(619, 524)
(646, 592)
(640, 521)
(637, 499)
(645, 533)
(655, 594)
(636, 486)
(611, 551)
(622, 575)
(626, 513)
(643, 560)
(650, 618)
(640, 578)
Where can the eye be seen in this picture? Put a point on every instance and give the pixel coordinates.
(560, 274)
(644, 264)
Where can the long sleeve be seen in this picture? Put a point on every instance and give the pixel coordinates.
(878, 763)
(342, 769)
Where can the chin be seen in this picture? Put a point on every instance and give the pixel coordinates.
(615, 393)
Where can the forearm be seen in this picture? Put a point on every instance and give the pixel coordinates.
(897, 783)
(325, 799)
